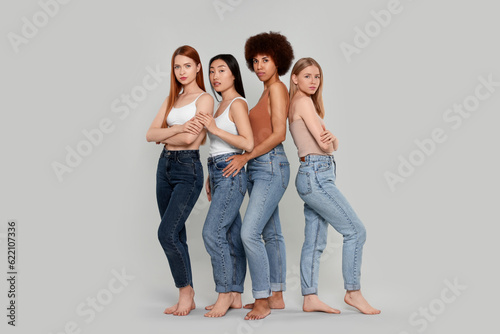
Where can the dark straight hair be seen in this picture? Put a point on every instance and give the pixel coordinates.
(232, 63)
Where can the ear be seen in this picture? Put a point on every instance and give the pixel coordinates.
(198, 67)
(294, 79)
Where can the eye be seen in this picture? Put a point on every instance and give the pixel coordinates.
(176, 67)
(211, 72)
(255, 61)
(221, 71)
(307, 76)
(188, 65)
(266, 60)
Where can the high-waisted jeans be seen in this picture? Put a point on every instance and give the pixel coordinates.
(324, 204)
(221, 231)
(268, 177)
(179, 180)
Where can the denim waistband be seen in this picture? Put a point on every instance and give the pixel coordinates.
(181, 153)
(220, 157)
(278, 149)
(315, 157)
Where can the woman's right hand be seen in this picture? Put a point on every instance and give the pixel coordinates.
(208, 190)
(193, 126)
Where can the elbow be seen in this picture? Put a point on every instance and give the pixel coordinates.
(282, 137)
(249, 146)
(149, 137)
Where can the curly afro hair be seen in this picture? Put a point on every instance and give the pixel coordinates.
(272, 44)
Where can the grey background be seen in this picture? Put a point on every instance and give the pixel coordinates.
(440, 224)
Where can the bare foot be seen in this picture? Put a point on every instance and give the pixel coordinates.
(185, 303)
(313, 304)
(235, 304)
(260, 310)
(275, 301)
(356, 299)
(221, 306)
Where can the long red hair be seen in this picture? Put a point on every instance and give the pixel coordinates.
(176, 86)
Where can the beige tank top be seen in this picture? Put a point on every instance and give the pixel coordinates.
(304, 140)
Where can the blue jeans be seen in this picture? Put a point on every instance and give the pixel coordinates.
(268, 177)
(324, 204)
(221, 232)
(179, 180)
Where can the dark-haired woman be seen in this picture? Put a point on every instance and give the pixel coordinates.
(230, 134)
(179, 177)
(269, 55)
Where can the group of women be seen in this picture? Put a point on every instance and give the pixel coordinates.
(239, 137)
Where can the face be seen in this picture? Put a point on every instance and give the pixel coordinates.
(308, 80)
(264, 67)
(185, 69)
(221, 77)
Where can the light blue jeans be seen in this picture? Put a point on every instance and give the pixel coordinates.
(268, 177)
(221, 231)
(324, 204)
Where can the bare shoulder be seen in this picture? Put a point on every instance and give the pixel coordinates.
(239, 104)
(303, 106)
(205, 98)
(278, 89)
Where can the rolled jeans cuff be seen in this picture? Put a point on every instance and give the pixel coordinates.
(229, 288)
(352, 287)
(261, 294)
(309, 291)
(278, 286)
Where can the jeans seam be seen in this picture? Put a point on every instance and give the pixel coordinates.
(176, 225)
(356, 278)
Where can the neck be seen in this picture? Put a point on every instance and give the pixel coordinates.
(229, 94)
(191, 87)
(301, 93)
(271, 80)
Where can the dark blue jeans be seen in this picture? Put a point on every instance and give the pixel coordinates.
(179, 180)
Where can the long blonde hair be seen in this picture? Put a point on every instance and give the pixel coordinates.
(316, 97)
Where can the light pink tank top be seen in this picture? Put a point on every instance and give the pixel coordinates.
(304, 140)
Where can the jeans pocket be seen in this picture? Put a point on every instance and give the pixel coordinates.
(185, 160)
(303, 183)
(285, 174)
(323, 166)
(242, 180)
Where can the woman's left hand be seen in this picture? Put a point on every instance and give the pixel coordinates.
(327, 137)
(238, 161)
(208, 121)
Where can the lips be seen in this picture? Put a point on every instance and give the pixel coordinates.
(183, 78)
(260, 73)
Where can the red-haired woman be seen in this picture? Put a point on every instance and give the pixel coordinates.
(179, 177)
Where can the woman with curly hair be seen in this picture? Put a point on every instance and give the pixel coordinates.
(269, 55)
(179, 177)
(324, 204)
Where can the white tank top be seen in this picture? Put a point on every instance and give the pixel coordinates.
(179, 116)
(223, 122)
